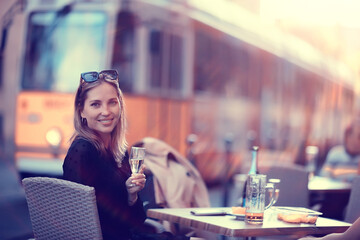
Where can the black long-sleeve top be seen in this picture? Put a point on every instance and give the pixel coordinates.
(86, 165)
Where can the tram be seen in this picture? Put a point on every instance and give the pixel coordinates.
(185, 68)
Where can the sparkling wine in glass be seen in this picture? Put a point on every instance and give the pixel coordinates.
(137, 156)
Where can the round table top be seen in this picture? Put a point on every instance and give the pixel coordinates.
(325, 184)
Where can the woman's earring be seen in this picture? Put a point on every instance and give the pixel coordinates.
(83, 121)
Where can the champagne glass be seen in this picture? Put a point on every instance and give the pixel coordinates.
(137, 156)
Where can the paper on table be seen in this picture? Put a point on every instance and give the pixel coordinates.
(209, 212)
(216, 212)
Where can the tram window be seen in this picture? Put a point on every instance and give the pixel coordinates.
(176, 50)
(204, 58)
(60, 47)
(2, 50)
(2, 137)
(123, 53)
(217, 67)
(1, 68)
(156, 43)
(166, 59)
(243, 70)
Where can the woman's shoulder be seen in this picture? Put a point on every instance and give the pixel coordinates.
(82, 145)
(81, 150)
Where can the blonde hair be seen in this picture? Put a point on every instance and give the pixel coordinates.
(118, 143)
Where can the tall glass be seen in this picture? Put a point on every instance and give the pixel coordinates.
(137, 156)
(255, 198)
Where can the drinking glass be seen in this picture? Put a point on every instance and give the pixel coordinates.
(137, 156)
(255, 198)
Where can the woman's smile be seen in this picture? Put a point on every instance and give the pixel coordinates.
(106, 121)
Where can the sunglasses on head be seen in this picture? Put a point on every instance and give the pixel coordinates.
(94, 76)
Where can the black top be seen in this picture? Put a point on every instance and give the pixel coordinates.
(84, 164)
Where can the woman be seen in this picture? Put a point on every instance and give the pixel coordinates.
(97, 156)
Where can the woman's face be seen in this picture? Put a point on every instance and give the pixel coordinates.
(102, 109)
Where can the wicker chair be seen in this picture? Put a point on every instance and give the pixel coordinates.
(61, 209)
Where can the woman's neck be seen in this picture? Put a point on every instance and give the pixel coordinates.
(106, 138)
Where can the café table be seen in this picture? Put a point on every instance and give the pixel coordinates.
(40, 167)
(320, 184)
(329, 195)
(228, 225)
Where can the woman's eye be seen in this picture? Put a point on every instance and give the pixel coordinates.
(95, 104)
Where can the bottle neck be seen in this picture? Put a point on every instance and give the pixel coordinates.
(254, 164)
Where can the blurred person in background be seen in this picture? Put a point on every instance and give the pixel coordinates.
(342, 161)
(98, 157)
(352, 233)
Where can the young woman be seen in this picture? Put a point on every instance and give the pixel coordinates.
(97, 156)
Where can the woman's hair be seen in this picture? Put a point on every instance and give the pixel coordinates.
(118, 142)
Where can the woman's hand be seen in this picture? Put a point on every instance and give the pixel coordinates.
(135, 183)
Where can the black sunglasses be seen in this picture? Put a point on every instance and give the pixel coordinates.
(94, 76)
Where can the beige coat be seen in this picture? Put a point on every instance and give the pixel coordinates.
(177, 183)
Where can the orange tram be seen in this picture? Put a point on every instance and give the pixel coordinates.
(184, 69)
